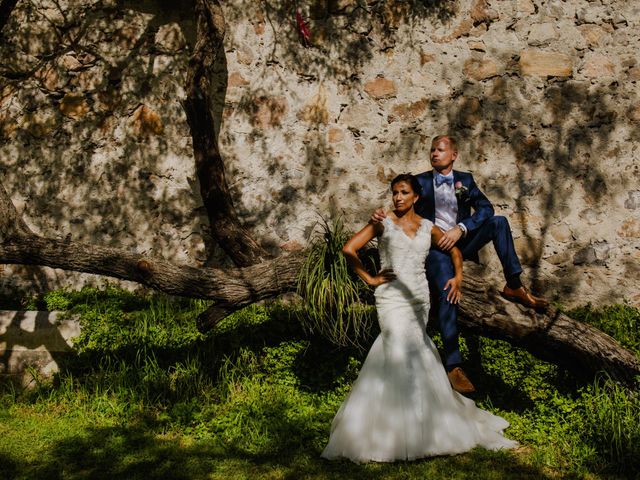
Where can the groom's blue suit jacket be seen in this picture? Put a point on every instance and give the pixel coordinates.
(473, 198)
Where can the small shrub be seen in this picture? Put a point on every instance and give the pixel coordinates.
(331, 293)
(57, 300)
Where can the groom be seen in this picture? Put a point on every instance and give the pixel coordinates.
(447, 200)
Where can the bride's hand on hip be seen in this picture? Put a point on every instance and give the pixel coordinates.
(453, 285)
(383, 276)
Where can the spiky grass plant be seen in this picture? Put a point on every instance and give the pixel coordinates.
(612, 417)
(331, 293)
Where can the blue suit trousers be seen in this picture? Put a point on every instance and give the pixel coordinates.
(439, 268)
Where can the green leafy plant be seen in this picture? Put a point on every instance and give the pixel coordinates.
(331, 293)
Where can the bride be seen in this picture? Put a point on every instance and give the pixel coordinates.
(402, 407)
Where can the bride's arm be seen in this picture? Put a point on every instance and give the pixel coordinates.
(350, 251)
(453, 284)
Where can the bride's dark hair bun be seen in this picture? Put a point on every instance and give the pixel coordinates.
(410, 179)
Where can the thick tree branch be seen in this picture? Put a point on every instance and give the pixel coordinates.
(237, 286)
(208, 52)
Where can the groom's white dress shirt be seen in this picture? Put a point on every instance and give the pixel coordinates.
(446, 204)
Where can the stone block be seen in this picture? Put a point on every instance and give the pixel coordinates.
(634, 113)
(342, 6)
(597, 253)
(477, 45)
(70, 62)
(315, 111)
(598, 66)
(559, 258)
(236, 80)
(169, 38)
(480, 69)
(267, 111)
(542, 34)
(481, 12)
(529, 250)
(74, 106)
(543, 63)
(33, 341)
(634, 73)
(633, 202)
(470, 112)
(335, 135)
(630, 228)
(585, 256)
(561, 232)
(409, 111)
(244, 55)
(592, 34)
(426, 58)
(50, 78)
(526, 7)
(145, 121)
(591, 14)
(380, 88)
(462, 29)
(360, 116)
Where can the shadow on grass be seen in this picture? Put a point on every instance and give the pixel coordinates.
(135, 453)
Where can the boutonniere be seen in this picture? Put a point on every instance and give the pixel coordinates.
(461, 190)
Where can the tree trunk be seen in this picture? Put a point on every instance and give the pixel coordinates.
(208, 52)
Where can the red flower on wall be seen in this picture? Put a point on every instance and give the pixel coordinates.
(303, 29)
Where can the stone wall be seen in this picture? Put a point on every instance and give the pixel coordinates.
(543, 96)
(32, 344)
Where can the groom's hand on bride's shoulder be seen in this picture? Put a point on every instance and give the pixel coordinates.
(378, 216)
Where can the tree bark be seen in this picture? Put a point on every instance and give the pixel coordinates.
(208, 52)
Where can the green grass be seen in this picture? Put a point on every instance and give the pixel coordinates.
(147, 396)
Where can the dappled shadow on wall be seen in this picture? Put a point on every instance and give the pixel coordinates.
(94, 132)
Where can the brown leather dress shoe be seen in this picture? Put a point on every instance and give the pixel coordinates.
(459, 381)
(524, 297)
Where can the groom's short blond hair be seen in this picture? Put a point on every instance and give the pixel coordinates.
(452, 141)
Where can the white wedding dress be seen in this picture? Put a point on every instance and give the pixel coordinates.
(402, 407)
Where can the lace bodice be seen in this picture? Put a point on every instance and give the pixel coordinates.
(406, 257)
(403, 254)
